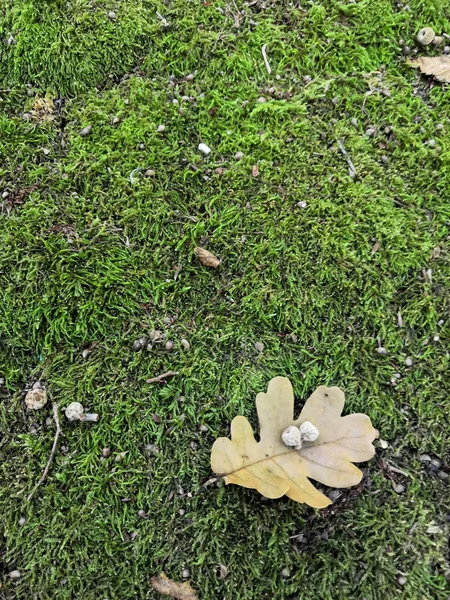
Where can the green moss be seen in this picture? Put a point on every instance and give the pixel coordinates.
(91, 260)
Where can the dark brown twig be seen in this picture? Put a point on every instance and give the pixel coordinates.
(52, 453)
(162, 377)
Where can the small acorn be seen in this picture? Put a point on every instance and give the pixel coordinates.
(426, 36)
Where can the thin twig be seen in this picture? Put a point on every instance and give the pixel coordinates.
(162, 377)
(395, 470)
(351, 166)
(266, 62)
(52, 453)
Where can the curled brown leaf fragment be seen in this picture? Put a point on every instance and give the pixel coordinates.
(438, 66)
(206, 258)
(179, 591)
(273, 468)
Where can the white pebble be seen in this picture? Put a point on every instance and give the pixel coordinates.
(204, 149)
(259, 346)
(302, 204)
(161, 128)
(408, 361)
(185, 573)
(381, 350)
(239, 156)
(22, 521)
(384, 444)
(261, 100)
(112, 15)
(436, 338)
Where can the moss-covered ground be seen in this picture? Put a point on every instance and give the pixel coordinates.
(92, 259)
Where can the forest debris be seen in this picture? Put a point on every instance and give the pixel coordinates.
(204, 149)
(36, 399)
(52, 453)
(266, 61)
(179, 591)
(437, 66)
(273, 469)
(206, 258)
(351, 167)
(162, 377)
(75, 412)
(43, 109)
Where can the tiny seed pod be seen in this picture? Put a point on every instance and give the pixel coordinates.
(426, 36)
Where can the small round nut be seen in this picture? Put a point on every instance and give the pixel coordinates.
(291, 437)
(308, 432)
(426, 36)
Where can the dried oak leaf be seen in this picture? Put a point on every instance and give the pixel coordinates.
(438, 66)
(275, 469)
(179, 591)
(206, 258)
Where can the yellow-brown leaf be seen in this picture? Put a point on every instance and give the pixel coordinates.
(206, 258)
(438, 66)
(179, 591)
(275, 469)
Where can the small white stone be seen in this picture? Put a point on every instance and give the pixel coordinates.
(384, 444)
(261, 100)
(309, 432)
(204, 149)
(381, 350)
(436, 338)
(408, 361)
(112, 15)
(22, 521)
